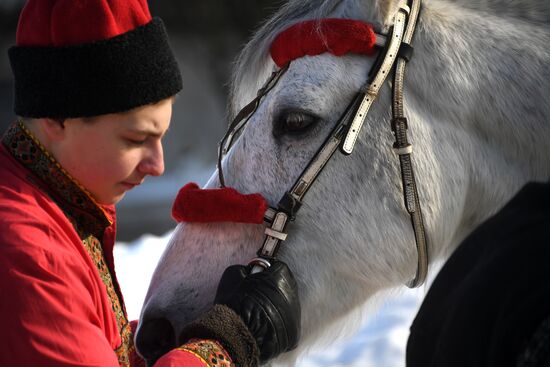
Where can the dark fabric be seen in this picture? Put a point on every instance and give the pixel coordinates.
(492, 294)
(223, 325)
(109, 76)
(537, 352)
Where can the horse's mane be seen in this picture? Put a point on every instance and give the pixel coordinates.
(253, 64)
(533, 11)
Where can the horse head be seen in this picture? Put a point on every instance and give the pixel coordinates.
(352, 238)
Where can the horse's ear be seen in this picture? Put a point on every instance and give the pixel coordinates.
(387, 10)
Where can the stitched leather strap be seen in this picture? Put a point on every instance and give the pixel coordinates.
(404, 149)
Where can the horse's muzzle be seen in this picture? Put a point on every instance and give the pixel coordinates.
(155, 337)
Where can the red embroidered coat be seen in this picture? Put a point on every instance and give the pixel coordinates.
(60, 303)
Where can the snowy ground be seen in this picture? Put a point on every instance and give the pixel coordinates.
(379, 342)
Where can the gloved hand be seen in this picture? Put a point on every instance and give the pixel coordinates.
(255, 316)
(267, 302)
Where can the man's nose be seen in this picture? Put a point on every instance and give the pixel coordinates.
(153, 162)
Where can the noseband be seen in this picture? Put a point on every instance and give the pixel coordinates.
(396, 52)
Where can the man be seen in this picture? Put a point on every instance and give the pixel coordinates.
(94, 86)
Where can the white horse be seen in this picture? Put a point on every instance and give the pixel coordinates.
(477, 95)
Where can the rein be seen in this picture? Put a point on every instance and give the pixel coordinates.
(396, 53)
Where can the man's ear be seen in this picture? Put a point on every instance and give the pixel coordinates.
(54, 129)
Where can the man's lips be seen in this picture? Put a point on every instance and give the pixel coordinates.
(130, 185)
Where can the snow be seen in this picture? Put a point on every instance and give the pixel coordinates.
(134, 264)
(380, 341)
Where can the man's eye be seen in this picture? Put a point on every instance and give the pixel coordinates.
(136, 141)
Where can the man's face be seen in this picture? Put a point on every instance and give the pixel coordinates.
(111, 154)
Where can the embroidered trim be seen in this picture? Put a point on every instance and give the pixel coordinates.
(209, 351)
(64, 189)
(53, 160)
(95, 251)
(196, 355)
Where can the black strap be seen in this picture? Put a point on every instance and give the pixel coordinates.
(246, 113)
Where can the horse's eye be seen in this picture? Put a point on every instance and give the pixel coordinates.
(294, 123)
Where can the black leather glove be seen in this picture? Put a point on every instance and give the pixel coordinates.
(268, 304)
(255, 317)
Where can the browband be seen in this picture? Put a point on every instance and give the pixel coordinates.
(314, 37)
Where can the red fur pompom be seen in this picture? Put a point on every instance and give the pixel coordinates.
(314, 37)
(217, 205)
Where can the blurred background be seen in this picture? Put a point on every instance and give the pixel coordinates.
(206, 36)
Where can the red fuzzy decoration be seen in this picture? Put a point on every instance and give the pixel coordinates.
(217, 205)
(314, 37)
(70, 22)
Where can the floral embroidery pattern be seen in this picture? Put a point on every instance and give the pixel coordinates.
(94, 249)
(86, 216)
(209, 351)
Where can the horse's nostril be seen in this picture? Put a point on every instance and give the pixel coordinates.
(155, 338)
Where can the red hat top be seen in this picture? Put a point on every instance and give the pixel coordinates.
(71, 22)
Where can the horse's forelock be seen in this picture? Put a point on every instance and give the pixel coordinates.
(254, 64)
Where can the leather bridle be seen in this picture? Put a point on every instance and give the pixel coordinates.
(397, 51)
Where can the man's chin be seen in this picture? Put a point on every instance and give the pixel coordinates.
(116, 199)
(110, 200)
